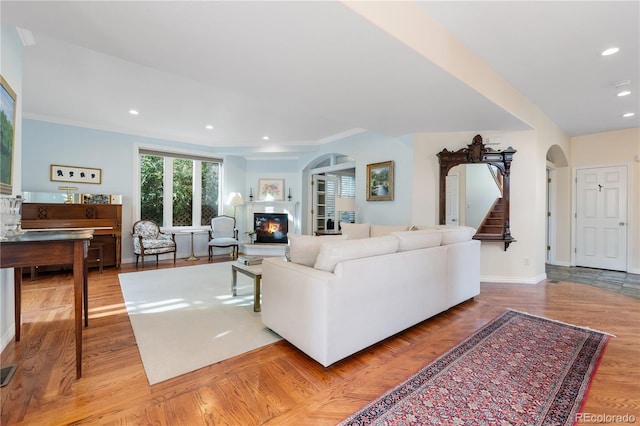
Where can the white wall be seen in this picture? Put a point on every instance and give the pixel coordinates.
(524, 260)
(11, 70)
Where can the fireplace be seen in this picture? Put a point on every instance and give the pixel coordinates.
(271, 227)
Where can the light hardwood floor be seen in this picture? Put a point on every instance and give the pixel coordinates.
(277, 384)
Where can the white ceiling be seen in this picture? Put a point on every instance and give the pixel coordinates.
(305, 73)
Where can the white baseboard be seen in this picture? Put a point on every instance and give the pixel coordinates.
(557, 263)
(514, 280)
(8, 336)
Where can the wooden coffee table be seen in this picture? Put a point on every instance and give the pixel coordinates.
(254, 272)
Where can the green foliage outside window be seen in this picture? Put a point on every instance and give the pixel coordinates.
(151, 188)
(210, 173)
(182, 192)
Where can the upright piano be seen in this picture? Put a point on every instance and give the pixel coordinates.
(105, 219)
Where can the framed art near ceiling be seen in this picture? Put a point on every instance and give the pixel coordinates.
(7, 120)
(271, 189)
(75, 174)
(380, 181)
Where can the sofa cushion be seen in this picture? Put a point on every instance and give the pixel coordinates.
(304, 249)
(334, 252)
(456, 234)
(382, 230)
(355, 231)
(413, 240)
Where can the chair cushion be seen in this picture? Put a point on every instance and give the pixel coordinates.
(156, 244)
(223, 242)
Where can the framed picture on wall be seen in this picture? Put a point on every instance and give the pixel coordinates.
(380, 181)
(8, 111)
(271, 189)
(75, 174)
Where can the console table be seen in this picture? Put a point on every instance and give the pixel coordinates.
(50, 248)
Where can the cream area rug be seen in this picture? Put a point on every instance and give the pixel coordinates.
(185, 318)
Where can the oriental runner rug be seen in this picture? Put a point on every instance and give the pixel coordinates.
(517, 370)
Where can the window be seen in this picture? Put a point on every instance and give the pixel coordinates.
(178, 190)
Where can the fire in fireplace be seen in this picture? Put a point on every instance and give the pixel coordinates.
(271, 227)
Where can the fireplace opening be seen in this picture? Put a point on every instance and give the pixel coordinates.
(271, 227)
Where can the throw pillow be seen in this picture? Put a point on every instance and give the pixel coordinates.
(304, 249)
(413, 240)
(355, 231)
(382, 230)
(334, 252)
(458, 234)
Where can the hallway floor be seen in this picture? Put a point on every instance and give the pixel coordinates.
(620, 282)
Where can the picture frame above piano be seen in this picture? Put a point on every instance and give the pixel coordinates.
(75, 174)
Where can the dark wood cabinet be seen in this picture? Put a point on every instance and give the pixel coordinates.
(105, 219)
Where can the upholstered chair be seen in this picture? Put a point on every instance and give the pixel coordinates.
(223, 233)
(149, 240)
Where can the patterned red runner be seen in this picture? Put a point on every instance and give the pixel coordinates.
(517, 370)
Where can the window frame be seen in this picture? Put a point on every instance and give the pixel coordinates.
(168, 183)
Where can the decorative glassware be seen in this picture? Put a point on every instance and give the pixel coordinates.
(10, 214)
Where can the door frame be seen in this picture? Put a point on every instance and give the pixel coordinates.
(574, 212)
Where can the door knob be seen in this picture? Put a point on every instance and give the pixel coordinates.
(621, 224)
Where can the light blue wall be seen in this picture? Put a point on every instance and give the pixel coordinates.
(367, 148)
(11, 70)
(50, 143)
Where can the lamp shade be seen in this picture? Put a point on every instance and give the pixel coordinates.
(235, 199)
(345, 204)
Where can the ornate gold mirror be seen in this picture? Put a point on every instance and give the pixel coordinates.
(495, 224)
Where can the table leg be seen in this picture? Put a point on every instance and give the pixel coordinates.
(256, 293)
(17, 288)
(192, 256)
(234, 282)
(79, 277)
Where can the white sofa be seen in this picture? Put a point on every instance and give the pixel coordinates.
(360, 291)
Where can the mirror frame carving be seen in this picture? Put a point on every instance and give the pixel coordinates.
(477, 153)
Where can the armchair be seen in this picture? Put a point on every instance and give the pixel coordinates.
(149, 240)
(223, 233)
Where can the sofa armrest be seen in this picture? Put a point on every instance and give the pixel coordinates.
(295, 304)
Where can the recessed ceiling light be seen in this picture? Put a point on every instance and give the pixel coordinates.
(209, 127)
(610, 51)
(628, 114)
(133, 112)
(266, 138)
(623, 87)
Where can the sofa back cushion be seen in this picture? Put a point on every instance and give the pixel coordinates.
(304, 249)
(414, 240)
(382, 230)
(334, 252)
(355, 231)
(456, 234)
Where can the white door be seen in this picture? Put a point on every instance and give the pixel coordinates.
(451, 204)
(601, 212)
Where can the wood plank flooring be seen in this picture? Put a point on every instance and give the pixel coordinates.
(276, 384)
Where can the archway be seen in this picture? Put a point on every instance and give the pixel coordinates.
(335, 171)
(558, 211)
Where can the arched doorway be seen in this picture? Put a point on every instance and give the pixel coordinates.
(328, 177)
(558, 211)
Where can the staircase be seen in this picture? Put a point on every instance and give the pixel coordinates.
(492, 225)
